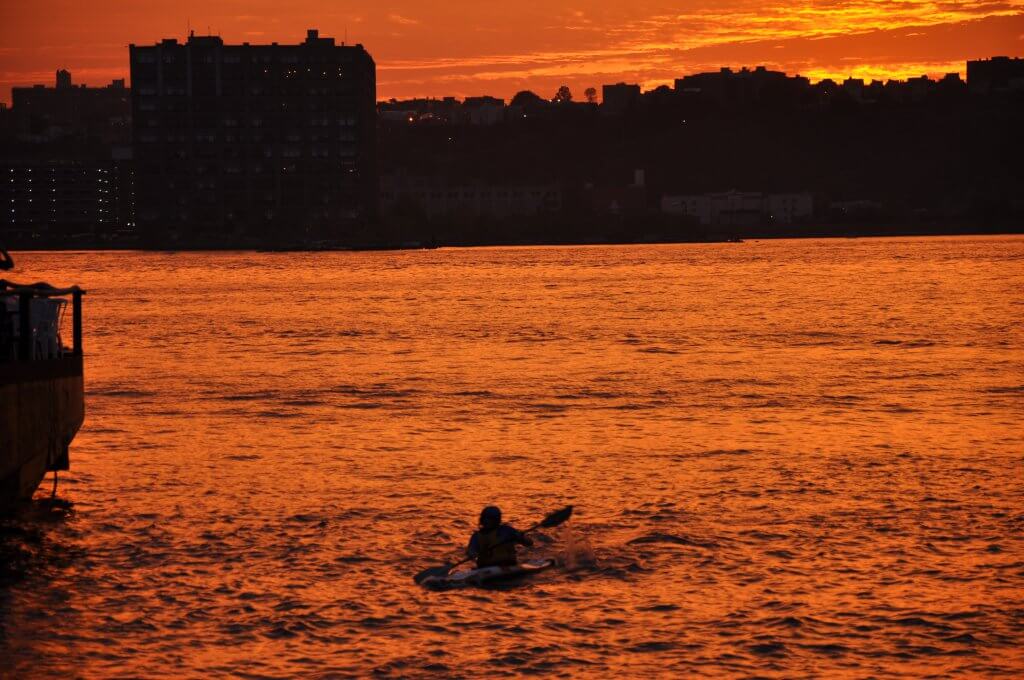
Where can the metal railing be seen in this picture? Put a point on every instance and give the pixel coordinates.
(31, 316)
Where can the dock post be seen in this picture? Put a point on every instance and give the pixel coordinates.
(24, 326)
(76, 323)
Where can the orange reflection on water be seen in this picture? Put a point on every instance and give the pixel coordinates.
(790, 458)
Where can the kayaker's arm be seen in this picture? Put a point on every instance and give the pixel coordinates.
(473, 549)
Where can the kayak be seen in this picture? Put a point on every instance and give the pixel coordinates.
(481, 575)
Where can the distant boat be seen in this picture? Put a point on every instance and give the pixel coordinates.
(6, 261)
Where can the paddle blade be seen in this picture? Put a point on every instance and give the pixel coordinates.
(432, 572)
(557, 517)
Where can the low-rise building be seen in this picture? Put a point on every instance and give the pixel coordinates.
(438, 197)
(420, 111)
(42, 198)
(43, 114)
(483, 110)
(739, 208)
(740, 88)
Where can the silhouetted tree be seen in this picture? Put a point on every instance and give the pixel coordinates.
(591, 94)
(563, 96)
(527, 99)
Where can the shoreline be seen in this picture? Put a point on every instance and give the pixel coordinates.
(739, 236)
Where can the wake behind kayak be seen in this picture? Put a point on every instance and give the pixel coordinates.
(485, 575)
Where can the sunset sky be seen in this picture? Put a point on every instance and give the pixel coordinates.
(466, 48)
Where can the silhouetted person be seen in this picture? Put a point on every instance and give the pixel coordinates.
(6, 261)
(494, 544)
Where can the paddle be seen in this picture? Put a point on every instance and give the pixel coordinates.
(552, 520)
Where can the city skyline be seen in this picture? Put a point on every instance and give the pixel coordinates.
(463, 50)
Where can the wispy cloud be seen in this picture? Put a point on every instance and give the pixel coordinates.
(402, 20)
(884, 39)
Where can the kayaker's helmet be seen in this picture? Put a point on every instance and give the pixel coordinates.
(490, 517)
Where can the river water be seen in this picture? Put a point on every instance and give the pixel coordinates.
(788, 458)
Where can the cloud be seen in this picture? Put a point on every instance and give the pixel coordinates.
(872, 54)
(478, 47)
(864, 38)
(401, 20)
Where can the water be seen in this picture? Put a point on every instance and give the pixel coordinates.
(788, 458)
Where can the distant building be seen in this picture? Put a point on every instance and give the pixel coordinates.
(855, 88)
(737, 208)
(855, 209)
(998, 74)
(951, 83)
(483, 110)
(439, 197)
(260, 140)
(6, 123)
(43, 114)
(619, 98)
(42, 198)
(920, 87)
(743, 87)
(427, 111)
(399, 116)
(616, 196)
(788, 208)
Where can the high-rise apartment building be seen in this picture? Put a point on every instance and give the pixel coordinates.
(266, 142)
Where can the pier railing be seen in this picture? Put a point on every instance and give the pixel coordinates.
(32, 317)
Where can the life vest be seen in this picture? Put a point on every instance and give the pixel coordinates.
(492, 551)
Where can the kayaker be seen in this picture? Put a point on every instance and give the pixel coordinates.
(494, 544)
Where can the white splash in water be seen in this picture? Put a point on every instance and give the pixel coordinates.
(577, 551)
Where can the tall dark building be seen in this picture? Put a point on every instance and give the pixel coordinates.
(619, 98)
(266, 142)
(998, 74)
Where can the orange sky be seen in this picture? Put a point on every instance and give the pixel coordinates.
(465, 48)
